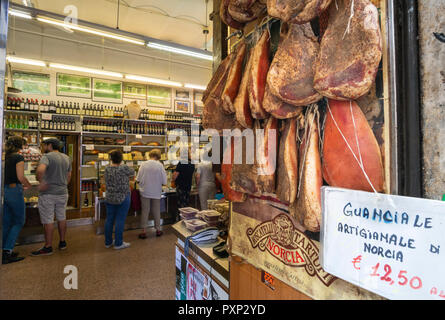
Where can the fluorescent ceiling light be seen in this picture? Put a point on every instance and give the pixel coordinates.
(195, 86)
(26, 61)
(180, 51)
(19, 14)
(86, 70)
(153, 80)
(90, 30)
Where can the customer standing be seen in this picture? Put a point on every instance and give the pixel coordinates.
(205, 179)
(14, 204)
(53, 173)
(117, 199)
(151, 177)
(182, 177)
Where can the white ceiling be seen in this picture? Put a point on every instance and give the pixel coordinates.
(179, 21)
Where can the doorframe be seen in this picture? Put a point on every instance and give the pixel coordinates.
(4, 8)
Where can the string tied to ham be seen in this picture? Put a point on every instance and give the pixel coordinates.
(348, 27)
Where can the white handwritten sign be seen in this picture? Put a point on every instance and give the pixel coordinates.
(390, 245)
(127, 148)
(89, 147)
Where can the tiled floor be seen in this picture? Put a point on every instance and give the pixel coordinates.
(146, 270)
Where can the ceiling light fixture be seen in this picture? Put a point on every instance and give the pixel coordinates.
(90, 30)
(158, 46)
(86, 70)
(30, 62)
(195, 86)
(153, 80)
(19, 14)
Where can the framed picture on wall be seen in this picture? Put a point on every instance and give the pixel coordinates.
(107, 90)
(182, 94)
(70, 85)
(135, 91)
(182, 106)
(159, 97)
(32, 83)
(198, 105)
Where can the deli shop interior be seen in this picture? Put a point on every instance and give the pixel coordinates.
(221, 150)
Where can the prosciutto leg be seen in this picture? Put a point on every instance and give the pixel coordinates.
(356, 164)
(307, 207)
(287, 174)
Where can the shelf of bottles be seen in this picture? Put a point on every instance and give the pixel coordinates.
(24, 114)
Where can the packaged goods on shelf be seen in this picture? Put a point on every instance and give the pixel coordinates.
(188, 212)
(195, 224)
(210, 215)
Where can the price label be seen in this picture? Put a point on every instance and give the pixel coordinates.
(105, 163)
(89, 147)
(47, 116)
(387, 244)
(268, 279)
(139, 136)
(127, 148)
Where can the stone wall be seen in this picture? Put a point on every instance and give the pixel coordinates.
(432, 60)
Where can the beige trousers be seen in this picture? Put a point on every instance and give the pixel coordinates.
(152, 206)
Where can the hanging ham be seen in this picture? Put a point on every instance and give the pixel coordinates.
(227, 18)
(246, 13)
(278, 108)
(214, 116)
(226, 177)
(356, 164)
(307, 207)
(241, 103)
(233, 79)
(351, 50)
(297, 11)
(257, 176)
(287, 172)
(258, 75)
(291, 73)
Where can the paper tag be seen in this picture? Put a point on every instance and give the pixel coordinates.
(129, 163)
(105, 163)
(127, 148)
(139, 136)
(89, 147)
(47, 116)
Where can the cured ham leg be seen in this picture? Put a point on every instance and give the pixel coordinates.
(258, 178)
(287, 173)
(233, 79)
(214, 116)
(278, 108)
(357, 164)
(296, 11)
(226, 177)
(291, 73)
(227, 18)
(351, 50)
(241, 103)
(307, 208)
(258, 75)
(246, 13)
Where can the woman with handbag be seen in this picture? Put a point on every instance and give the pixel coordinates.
(117, 199)
(151, 177)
